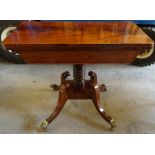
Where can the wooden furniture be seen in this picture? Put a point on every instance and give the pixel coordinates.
(78, 43)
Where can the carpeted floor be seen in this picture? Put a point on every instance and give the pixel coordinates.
(26, 100)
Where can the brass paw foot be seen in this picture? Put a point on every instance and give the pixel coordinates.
(44, 125)
(55, 87)
(113, 124)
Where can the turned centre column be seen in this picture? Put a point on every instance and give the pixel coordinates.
(79, 76)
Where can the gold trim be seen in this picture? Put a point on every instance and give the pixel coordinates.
(44, 124)
(147, 53)
(113, 123)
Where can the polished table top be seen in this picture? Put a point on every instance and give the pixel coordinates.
(92, 37)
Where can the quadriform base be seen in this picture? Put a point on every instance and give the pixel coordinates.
(78, 88)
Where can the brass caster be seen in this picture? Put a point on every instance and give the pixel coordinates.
(113, 124)
(44, 125)
(55, 87)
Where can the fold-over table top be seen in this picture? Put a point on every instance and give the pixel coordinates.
(78, 42)
(46, 35)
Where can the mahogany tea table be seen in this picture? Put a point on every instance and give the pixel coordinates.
(78, 43)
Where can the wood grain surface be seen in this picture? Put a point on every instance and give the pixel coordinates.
(78, 42)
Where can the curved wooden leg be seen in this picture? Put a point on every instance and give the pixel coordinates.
(100, 109)
(95, 93)
(61, 102)
(63, 96)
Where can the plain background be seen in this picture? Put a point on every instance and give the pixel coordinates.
(77, 10)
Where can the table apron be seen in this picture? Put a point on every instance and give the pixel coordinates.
(78, 57)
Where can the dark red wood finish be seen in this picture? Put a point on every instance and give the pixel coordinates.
(78, 42)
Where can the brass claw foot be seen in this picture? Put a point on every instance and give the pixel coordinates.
(113, 124)
(55, 87)
(44, 125)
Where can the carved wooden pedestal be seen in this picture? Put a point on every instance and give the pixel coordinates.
(79, 88)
